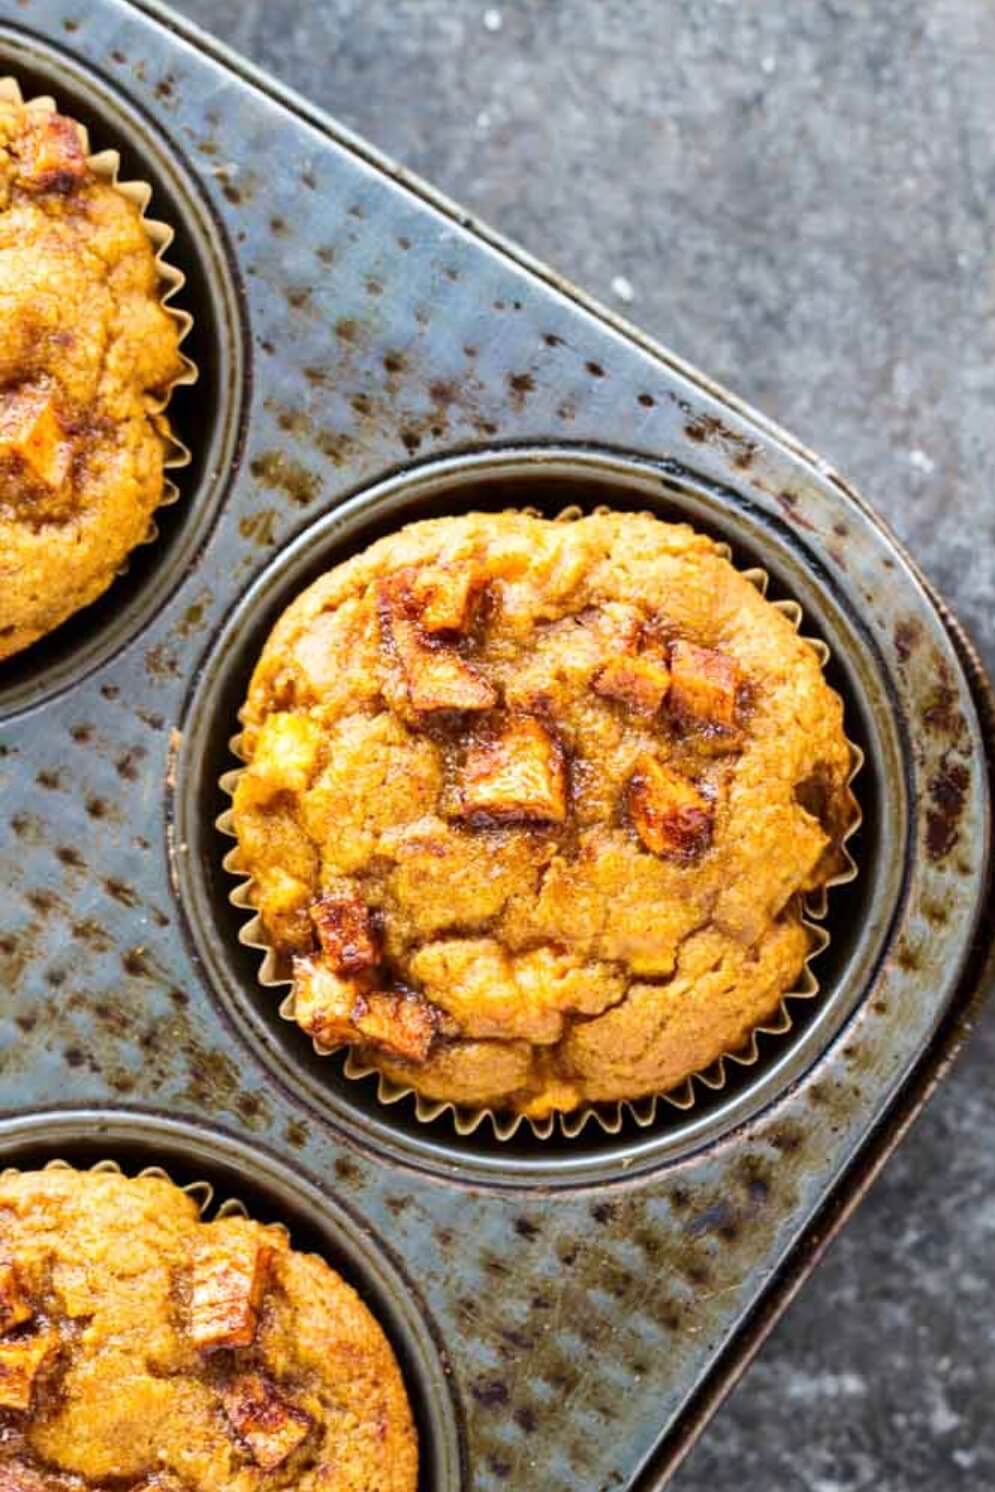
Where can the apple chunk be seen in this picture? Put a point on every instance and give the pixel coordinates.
(339, 1011)
(229, 1278)
(704, 683)
(32, 435)
(517, 775)
(671, 817)
(437, 677)
(268, 1423)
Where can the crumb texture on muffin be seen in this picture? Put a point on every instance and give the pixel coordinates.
(141, 1349)
(530, 807)
(87, 353)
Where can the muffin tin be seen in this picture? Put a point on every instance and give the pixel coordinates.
(567, 1311)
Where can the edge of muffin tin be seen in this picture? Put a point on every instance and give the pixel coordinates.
(497, 479)
(272, 1192)
(209, 417)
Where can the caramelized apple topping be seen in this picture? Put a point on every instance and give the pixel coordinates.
(346, 933)
(403, 1024)
(341, 1012)
(229, 1278)
(442, 681)
(51, 154)
(436, 676)
(324, 1002)
(269, 1424)
(20, 1362)
(14, 1308)
(447, 596)
(32, 434)
(703, 686)
(641, 682)
(518, 775)
(670, 815)
(285, 754)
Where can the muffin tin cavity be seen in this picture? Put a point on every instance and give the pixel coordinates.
(548, 480)
(271, 1192)
(205, 417)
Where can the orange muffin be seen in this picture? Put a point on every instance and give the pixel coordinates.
(530, 808)
(141, 1348)
(87, 354)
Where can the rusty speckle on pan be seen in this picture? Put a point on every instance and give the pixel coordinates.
(273, 469)
(948, 795)
(338, 311)
(789, 503)
(908, 634)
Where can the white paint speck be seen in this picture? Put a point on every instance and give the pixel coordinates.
(809, 1388)
(922, 462)
(768, 65)
(964, 1459)
(483, 120)
(623, 288)
(493, 20)
(942, 1416)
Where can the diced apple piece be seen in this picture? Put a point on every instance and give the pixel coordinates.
(229, 1278)
(287, 749)
(324, 1002)
(446, 596)
(346, 933)
(286, 753)
(639, 682)
(703, 685)
(670, 815)
(32, 433)
(404, 1025)
(20, 1362)
(14, 1308)
(442, 681)
(340, 1012)
(267, 1423)
(51, 154)
(436, 676)
(519, 774)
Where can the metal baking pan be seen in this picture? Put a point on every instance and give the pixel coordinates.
(567, 1312)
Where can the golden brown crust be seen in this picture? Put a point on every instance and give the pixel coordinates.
(110, 1382)
(87, 353)
(543, 870)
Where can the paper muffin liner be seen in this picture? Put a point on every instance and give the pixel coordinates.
(202, 1192)
(106, 164)
(610, 1117)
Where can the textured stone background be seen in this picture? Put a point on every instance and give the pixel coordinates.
(800, 198)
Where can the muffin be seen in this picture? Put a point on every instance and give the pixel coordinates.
(530, 808)
(145, 1349)
(88, 354)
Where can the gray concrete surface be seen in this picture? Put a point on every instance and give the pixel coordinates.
(799, 198)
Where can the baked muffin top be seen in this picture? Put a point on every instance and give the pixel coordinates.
(143, 1349)
(530, 806)
(87, 353)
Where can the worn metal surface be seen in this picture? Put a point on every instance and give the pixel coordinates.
(349, 326)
